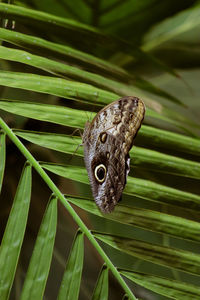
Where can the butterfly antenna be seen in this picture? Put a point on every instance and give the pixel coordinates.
(79, 145)
(77, 130)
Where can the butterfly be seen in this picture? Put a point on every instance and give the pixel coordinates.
(107, 141)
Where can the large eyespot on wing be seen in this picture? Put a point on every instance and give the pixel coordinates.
(100, 172)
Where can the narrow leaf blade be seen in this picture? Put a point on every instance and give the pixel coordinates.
(2, 157)
(88, 93)
(39, 265)
(173, 28)
(14, 233)
(71, 281)
(101, 288)
(146, 219)
(142, 158)
(69, 54)
(170, 257)
(138, 187)
(77, 118)
(67, 71)
(170, 288)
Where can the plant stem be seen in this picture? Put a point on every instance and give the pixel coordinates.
(72, 212)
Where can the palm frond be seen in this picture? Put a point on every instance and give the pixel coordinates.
(57, 68)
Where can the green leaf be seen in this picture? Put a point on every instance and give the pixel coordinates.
(71, 281)
(51, 113)
(58, 60)
(86, 92)
(14, 233)
(141, 188)
(101, 288)
(170, 257)
(54, 86)
(42, 18)
(142, 158)
(39, 265)
(173, 117)
(145, 218)
(68, 53)
(115, 13)
(77, 119)
(162, 194)
(71, 89)
(78, 74)
(2, 157)
(169, 140)
(173, 28)
(65, 70)
(58, 142)
(66, 9)
(72, 55)
(170, 288)
(159, 162)
(78, 33)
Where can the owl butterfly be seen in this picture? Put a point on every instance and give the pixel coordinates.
(107, 141)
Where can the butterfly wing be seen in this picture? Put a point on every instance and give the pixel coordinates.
(107, 141)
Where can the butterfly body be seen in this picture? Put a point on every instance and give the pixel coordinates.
(107, 141)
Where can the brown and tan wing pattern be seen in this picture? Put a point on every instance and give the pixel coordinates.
(107, 141)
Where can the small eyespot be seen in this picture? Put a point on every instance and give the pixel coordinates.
(131, 115)
(116, 119)
(103, 137)
(100, 173)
